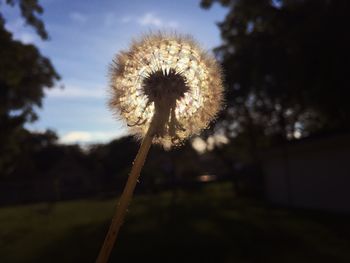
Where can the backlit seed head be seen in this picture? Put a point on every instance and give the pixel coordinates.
(168, 78)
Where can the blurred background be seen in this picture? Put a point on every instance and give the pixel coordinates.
(267, 182)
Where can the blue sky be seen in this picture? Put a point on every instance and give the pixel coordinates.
(84, 37)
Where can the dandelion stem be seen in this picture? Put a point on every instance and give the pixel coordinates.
(125, 198)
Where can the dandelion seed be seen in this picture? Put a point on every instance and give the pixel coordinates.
(171, 74)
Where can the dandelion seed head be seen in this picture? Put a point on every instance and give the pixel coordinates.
(170, 76)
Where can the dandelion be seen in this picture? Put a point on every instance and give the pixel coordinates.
(169, 76)
(166, 88)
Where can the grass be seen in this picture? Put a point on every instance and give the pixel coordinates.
(208, 225)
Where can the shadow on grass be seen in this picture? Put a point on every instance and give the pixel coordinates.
(207, 226)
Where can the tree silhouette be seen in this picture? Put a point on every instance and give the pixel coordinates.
(285, 65)
(24, 75)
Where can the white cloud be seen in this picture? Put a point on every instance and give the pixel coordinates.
(173, 24)
(150, 19)
(109, 19)
(26, 37)
(75, 136)
(85, 137)
(73, 92)
(127, 19)
(78, 17)
(22, 33)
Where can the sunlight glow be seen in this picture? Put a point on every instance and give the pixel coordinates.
(166, 53)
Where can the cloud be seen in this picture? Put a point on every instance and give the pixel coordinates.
(127, 19)
(22, 33)
(85, 137)
(109, 19)
(73, 92)
(150, 19)
(173, 24)
(78, 17)
(27, 38)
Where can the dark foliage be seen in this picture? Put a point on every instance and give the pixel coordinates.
(24, 74)
(285, 65)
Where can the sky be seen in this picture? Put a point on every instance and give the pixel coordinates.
(84, 38)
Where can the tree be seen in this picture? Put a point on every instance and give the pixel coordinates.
(285, 65)
(24, 75)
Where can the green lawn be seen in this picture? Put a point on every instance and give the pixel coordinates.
(209, 225)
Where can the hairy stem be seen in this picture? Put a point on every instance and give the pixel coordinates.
(125, 198)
